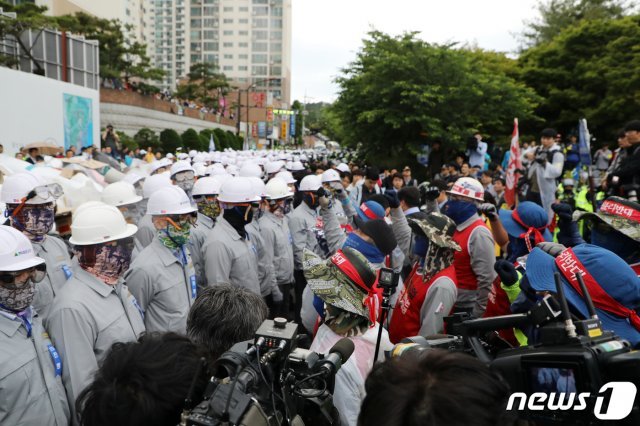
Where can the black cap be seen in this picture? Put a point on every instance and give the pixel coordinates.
(381, 234)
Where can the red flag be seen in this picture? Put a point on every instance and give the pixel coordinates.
(514, 164)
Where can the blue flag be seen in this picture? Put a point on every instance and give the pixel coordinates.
(212, 144)
(584, 142)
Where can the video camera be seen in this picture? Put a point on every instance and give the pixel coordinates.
(568, 376)
(270, 381)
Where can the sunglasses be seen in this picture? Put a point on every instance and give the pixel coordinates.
(54, 190)
(184, 176)
(36, 274)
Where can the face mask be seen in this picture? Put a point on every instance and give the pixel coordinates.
(420, 246)
(368, 250)
(35, 221)
(186, 185)
(459, 211)
(106, 261)
(172, 237)
(16, 298)
(311, 200)
(210, 209)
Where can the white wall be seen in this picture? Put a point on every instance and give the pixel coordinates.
(31, 109)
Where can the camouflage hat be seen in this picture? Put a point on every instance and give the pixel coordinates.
(437, 228)
(344, 281)
(622, 215)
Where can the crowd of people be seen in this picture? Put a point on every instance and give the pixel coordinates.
(174, 259)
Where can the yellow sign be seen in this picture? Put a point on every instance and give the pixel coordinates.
(283, 129)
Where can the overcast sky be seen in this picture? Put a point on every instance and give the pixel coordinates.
(327, 33)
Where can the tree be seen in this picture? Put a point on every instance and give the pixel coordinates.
(557, 15)
(221, 137)
(205, 136)
(401, 90)
(147, 138)
(204, 84)
(589, 71)
(127, 141)
(170, 140)
(191, 140)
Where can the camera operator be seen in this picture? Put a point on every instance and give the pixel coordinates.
(224, 315)
(345, 283)
(441, 388)
(627, 175)
(110, 139)
(144, 383)
(546, 167)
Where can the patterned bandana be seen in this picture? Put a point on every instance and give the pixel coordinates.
(35, 220)
(17, 298)
(210, 209)
(106, 261)
(172, 237)
(437, 259)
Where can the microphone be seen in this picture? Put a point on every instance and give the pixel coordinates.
(338, 355)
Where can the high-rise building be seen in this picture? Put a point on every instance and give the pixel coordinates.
(249, 40)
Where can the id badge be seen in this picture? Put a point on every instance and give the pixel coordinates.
(67, 271)
(192, 280)
(55, 357)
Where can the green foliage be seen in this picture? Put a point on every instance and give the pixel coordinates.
(146, 138)
(170, 140)
(400, 90)
(234, 140)
(558, 15)
(127, 141)
(191, 140)
(204, 85)
(221, 139)
(590, 71)
(205, 136)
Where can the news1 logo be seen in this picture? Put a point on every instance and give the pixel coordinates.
(614, 401)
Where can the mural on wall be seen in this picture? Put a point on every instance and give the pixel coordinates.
(78, 121)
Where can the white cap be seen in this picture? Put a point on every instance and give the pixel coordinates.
(330, 175)
(207, 185)
(237, 190)
(120, 194)
(310, 183)
(16, 251)
(181, 166)
(277, 189)
(169, 200)
(99, 223)
(286, 176)
(155, 182)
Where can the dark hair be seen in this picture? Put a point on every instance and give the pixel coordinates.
(502, 180)
(489, 198)
(410, 195)
(372, 173)
(621, 134)
(224, 315)
(397, 176)
(548, 133)
(380, 199)
(441, 388)
(488, 173)
(346, 175)
(633, 125)
(32, 150)
(441, 184)
(143, 383)
(357, 172)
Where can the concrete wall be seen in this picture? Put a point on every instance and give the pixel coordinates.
(129, 119)
(32, 110)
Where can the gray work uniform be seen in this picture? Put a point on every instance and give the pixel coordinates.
(305, 231)
(163, 287)
(278, 248)
(230, 259)
(59, 269)
(31, 390)
(197, 237)
(146, 231)
(255, 236)
(87, 317)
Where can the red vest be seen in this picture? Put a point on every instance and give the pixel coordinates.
(497, 305)
(405, 321)
(467, 279)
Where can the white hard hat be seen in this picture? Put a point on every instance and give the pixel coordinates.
(181, 166)
(155, 182)
(330, 176)
(344, 168)
(200, 169)
(258, 186)
(273, 167)
(250, 170)
(218, 172)
(120, 194)
(132, 178)
(193, 153)
(16, 187)
(207, 185)
(310, 183)
(277, 189)
(286, 176)
(237, 190)
(16, 251)
(183, 156)
(469, 188)
(170, 156)
(232, 169)
(568, 182)
(158, 164)
(296, 166)
(201, 157)
(169, 200)
(99, 223)
(143, 151)
(289, 165)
